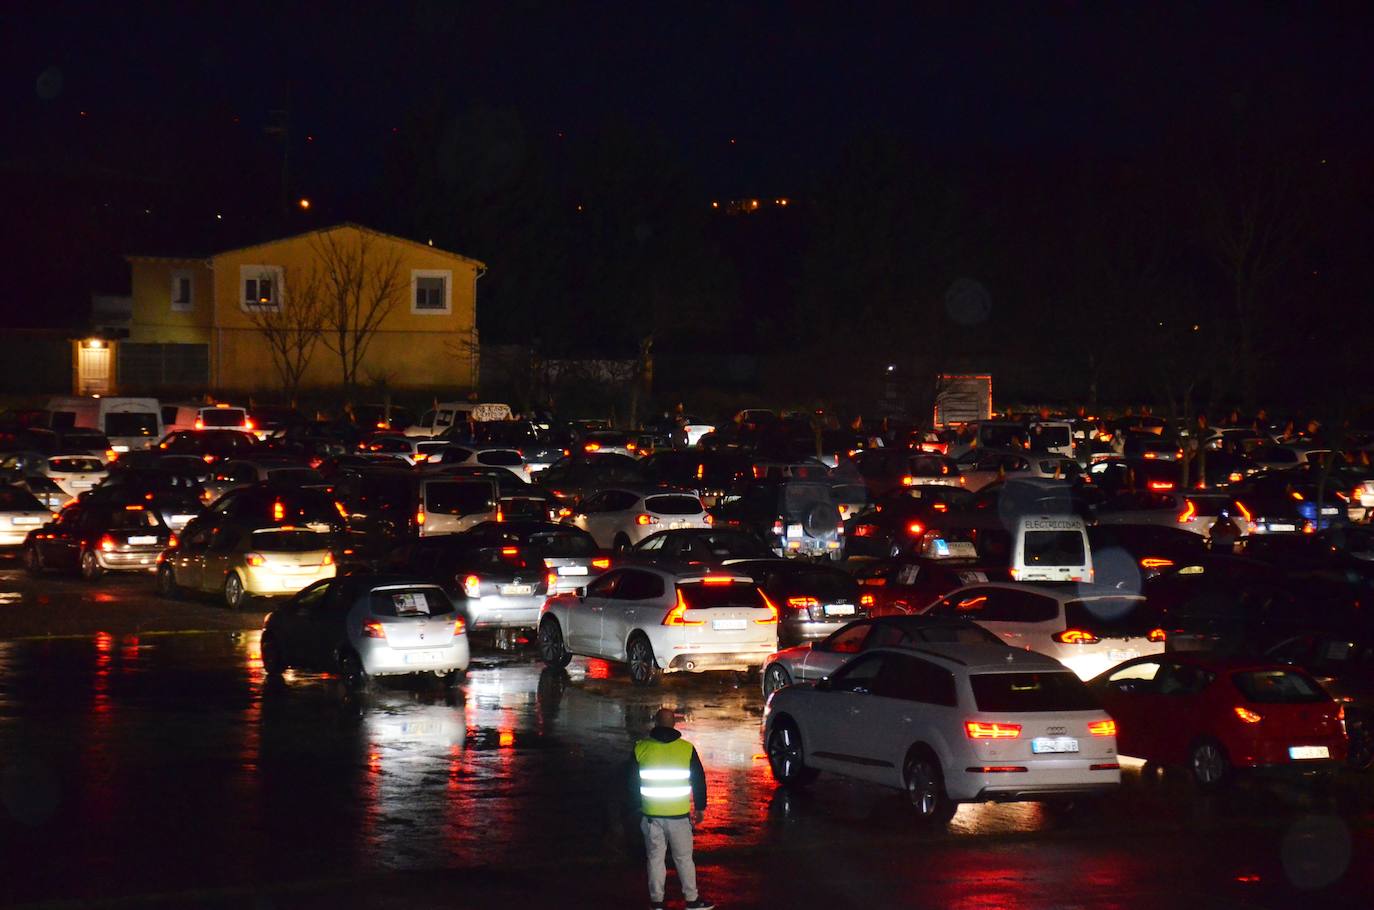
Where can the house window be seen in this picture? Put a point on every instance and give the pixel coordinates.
(261, 287)
(430, 291)
(181, 292)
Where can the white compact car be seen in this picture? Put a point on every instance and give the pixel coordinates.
(620, 517)
(20, 513)
(74, 474)
(1087, 628)
(947, 723)
(657, 621)
(360, 626)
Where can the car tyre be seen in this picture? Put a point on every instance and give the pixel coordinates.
(352, 673)
(774, 678)
(924, 781)
(33, 561)
(273, 661)
(787, 757)
(91, 569)
(167, 582)
(639, 654)
(453, 678)
(621, 544)
(552, 649)
(1209, 764)
(235, 597)
(1360, 755)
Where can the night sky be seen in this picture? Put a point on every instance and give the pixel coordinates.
(129, 127)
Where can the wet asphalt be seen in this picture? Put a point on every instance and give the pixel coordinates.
(146, 768)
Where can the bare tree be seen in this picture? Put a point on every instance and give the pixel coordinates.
(292, 328)
(360, 283)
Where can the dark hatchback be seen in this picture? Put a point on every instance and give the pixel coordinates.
(812, 600)
(98, 537)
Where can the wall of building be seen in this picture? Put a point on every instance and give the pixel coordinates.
(153, 318)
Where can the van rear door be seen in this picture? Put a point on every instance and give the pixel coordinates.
(1051, 548)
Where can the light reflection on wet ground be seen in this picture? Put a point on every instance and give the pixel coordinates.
(161, 763)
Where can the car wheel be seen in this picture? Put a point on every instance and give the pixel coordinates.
(167, 582)
(90, 566)
(774, 678)
(1361, 752)
(640, 656)
(273, 663)
(33, 560)
(1209, 764)
(351, 672)
(552, 650)
(234, 595)
(453, 678)
(787, 758)
(621, 543)
(925, 789)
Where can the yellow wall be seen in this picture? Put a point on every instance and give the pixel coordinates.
(408, 350)
(153, 318)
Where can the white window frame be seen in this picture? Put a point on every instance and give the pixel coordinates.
(254, 272)
(447, 275)
(186, 306)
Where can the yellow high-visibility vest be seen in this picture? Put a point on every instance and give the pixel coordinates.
(665, 776)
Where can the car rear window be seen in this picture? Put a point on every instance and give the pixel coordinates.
(1054, 548)
(563, 546)
(1112, 616)
(131, 423)
(13, 500)
(1278, 687)
(133, 519)
(458, 498)
(1017, 693)
(410, 602)
(85, 442)
(673, 505)
(500, 459)
(74, 465)
(223, 417)
(701, 596)
(289, 541)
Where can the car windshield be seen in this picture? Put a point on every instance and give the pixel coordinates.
(1278, 687)
(75, 465)
(289, 541)
(223, 417)
(410, 602)
(16, 500)
(1016, 693)
(825, 586)
(737, 594)
(1054, 548)
(504, 458)
(131, 423)
(673, 505)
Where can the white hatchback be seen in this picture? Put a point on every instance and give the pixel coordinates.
(620, 517)
(1087, 628)
(74, 474)
(947, 724)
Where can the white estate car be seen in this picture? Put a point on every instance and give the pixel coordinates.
(947, 723)
(656, 620)
(1087, 628)
(620, 517)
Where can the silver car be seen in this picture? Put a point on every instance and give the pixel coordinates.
(361, 626)
(808, 662)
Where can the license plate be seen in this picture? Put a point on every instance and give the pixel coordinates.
(728, 625)
(1283, 527)
(1045, 745)
(141, 541)
(26, 521)
(1308, 752)
(424, 657)
(572, 570)
(1329, 510)
(794, 530)
(517, 590)
(839, 609)
(1119, 656)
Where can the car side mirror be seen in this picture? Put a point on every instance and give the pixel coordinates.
(824, 685)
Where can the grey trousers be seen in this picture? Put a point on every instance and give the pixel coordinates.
(661, 835)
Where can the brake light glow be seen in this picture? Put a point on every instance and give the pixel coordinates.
(1161, 485)
(592, 447)
(248, 424)
(1075, 637)
(1244, 512)
(1189, 512)
(802, 603)
(343, 513)
(772, 609)
(1248, 716)
(200, 424)
(459, 627)
(708, 519)
(1235, 477)
(419, 516)
(278, 511)
(111, 454)
(1102, 727)
(173, 542)
(866, 600)
(977, 729)
(915, 529)
(510, 551)
(1155, 562)
(908, 480)
(719, 579)
(328, 559)
(864, 530)
(373, 629)
(553, 579)
(107, 543)
(996, 769)
(472, 586)
(602, 563)
(1158, 635)
(675, 615)
(940, 507)
(255, 559)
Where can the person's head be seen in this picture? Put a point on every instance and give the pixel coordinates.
(665, 717)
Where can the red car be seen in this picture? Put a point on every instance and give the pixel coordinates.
(1217, 715)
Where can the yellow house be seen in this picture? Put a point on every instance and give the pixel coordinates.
(198, 324)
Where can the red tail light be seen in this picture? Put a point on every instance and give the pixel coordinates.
(1155, 562)
(255, 559)
(864, 530)
(1161, 485)
(1102, 727)
(107, 543)
(200, 424)
(472, 586)
(1247, 716)
(510, 551)
(278, 511)
(459, 627)
(173, 542)
(373, 629)
(977, 729)
(802, 603)
(915, 529)
(675, 615)
(1158, 635)
(248, 425)
(908, 480)
(1075, 637)
(328, 560)
(111, 454)
(553, 579)
(644, 519)
(602, 563)
(419, 516)
(592, 447)
(1189, 512)
(866, 600)
(719, 579)
(772, 608)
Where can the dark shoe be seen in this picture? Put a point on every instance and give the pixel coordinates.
(700, 904)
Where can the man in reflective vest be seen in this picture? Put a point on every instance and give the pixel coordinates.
(671, 778)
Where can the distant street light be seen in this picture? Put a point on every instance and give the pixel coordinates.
(304, 203)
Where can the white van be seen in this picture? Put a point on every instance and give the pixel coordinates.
(177, 417)
(448, 414)
(129, 423)
(1052, 436)
(1051, 548)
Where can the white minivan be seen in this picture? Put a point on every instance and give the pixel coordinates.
(1051, 548)
(129, 423)
(177, 417)
(445, 415)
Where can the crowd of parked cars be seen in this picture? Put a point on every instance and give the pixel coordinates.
(985, 612)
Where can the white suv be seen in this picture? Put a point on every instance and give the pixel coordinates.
(659, 621)
(1087, 628)
(620, 517)
(947, 723)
